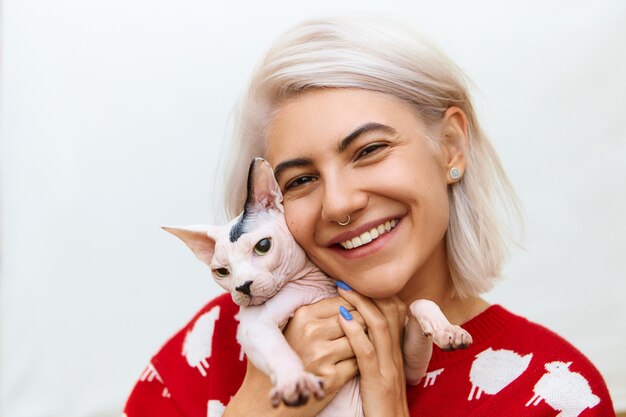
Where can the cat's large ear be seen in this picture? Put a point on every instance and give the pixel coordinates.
(200, 239)
(263, 190)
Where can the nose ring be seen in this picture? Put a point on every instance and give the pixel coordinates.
(344, 223)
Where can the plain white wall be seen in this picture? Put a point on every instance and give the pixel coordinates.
(112, 116)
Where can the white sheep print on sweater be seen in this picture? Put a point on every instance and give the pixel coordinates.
(493, 370)
(565, 391)
(150, 374)
(215, 408)
(431, 377)
(198, 342)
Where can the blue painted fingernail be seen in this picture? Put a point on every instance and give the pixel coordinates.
(345, 313)
(344, 286)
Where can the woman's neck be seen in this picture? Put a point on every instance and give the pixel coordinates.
(434, 282)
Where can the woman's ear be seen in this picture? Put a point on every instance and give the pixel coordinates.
(454, 141)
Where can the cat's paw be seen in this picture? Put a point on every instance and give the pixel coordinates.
(436, 326)
(451, 337)
(296, 389)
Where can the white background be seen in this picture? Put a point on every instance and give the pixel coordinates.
(112, 116)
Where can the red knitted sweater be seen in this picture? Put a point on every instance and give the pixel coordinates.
(514, 368)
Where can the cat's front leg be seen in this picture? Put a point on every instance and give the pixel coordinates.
(427, 325)
(267, 349)
(260, 335)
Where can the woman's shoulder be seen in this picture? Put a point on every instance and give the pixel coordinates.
(542, 344)
(515, 366)
(554, 372)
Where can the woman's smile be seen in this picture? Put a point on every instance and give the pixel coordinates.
(369, 235)
(366, 239)
(369, 248)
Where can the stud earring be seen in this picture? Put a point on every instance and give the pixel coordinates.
(455, 174)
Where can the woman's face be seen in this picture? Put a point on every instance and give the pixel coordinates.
(340, 152)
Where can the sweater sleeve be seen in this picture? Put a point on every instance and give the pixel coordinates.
(150, 397)
(197, 371)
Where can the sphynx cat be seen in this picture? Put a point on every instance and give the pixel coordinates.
(269, 276)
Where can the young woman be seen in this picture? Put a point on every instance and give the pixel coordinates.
(390, 186)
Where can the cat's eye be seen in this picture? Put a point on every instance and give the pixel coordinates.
(221, 272)
(263, 246)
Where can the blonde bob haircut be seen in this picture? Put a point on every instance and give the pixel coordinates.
(375, 53)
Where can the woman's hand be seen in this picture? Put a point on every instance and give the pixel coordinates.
(315, 334)
(378, 352)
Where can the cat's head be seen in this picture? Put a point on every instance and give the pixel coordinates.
(253, 255)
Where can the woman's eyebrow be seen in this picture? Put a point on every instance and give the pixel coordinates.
(291, 163)
(365, 128)
(342, 146)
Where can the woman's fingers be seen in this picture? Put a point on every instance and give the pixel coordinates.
(344, 370)
(316, 336)
(335, 351)
(366, 354)
(324, 308)
(320, 319)
(382, 320)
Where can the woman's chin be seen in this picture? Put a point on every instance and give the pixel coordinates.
(371, 285)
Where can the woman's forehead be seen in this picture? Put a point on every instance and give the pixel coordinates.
(324, 118)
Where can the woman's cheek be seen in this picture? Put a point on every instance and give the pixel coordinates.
(302, 217)
(294, 223)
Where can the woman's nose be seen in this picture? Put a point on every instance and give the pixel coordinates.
(342, 197)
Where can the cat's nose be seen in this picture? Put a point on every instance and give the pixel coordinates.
(245, 288)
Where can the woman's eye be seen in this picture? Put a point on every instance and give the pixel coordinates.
(369, 149)
(221, 272)
(263, 246)
(305, 179)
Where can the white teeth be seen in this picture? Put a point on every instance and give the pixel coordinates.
(366, 237)
(356, 242)
(369, 236)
